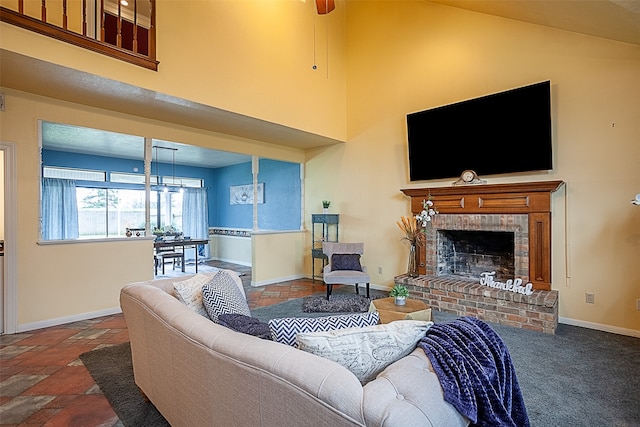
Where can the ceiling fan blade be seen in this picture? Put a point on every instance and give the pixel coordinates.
(325, 6)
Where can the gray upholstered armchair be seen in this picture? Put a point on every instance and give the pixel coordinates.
(344, 266)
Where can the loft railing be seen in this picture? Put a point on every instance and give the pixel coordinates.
(122, 29)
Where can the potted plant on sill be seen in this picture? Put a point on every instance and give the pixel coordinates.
(400, 293)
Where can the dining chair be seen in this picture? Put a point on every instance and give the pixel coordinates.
(173, 253)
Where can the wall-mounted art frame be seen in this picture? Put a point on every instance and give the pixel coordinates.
(243, 194)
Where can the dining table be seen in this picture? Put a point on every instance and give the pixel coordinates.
(183, 244)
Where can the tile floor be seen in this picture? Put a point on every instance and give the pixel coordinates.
(44, 383)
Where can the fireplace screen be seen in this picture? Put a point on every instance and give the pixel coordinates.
(470, 253)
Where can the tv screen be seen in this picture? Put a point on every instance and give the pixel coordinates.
(501, 133)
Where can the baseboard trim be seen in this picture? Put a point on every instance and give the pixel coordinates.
(277, 280)
(232, 261)
(67, 319)
(599, 327)
(305, 276)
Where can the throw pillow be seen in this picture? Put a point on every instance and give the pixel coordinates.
(245, 324)
(346, 262)
(284, 330)
(221, 295)
(189, 292)
(366, 351)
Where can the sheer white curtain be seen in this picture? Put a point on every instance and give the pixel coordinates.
(59, 209)
(195, 220)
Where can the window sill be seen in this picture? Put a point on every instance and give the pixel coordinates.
(105, 240)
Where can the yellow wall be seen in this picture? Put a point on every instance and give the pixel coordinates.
(386, 59)
(277, 256)
(253, 57)
(409, 56)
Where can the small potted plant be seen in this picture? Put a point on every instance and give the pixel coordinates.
(325, 205)
(400, 293)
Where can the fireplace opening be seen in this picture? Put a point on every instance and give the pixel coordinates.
(469, 253)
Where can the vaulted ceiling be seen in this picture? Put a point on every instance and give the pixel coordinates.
(611, 19)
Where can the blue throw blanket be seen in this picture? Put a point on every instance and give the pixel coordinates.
(475, 370)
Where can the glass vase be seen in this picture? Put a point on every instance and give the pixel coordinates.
(412, 269)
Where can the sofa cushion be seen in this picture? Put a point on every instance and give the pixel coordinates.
(346, 262)
(190, 292)
(284, 330)
(245, 324)
(365, 351)
(221, 295)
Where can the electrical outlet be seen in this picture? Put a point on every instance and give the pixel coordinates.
(380, 272)
(1, 101)
(590, 298)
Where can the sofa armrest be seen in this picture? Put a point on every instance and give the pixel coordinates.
(408, 393)
(181, 359)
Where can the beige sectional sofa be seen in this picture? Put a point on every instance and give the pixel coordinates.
(198, 373)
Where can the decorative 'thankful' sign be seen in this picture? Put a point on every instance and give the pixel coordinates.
(513, 285)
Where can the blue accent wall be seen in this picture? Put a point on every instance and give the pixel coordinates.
(282, 193)
(282, 187)
(233, 216)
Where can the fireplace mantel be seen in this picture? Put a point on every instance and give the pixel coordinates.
(530, 198)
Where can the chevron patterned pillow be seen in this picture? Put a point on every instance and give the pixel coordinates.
(222, 296)
(284, 330)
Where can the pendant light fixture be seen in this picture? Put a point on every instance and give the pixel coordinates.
(165, 187)
(173, 179)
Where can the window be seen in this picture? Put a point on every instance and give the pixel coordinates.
(106, 212)
(166, 211)
(130, 178)
(76, 174)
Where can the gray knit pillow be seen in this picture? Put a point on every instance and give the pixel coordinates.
(345, 262)
(222, 296)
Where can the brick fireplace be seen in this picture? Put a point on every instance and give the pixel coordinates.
(502, 228)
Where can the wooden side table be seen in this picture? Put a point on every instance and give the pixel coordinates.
(413, 309)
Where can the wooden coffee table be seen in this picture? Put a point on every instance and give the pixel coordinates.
(413, 309)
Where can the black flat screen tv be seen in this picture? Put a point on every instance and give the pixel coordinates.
(505, 132)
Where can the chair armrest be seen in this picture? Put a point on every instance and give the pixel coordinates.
(327, 269)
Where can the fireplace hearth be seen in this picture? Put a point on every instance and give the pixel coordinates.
(451, 294)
